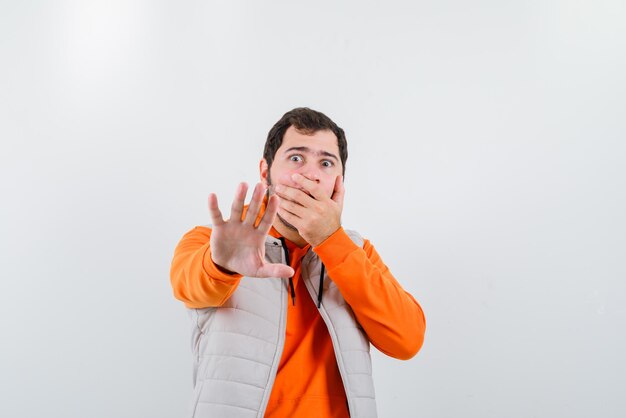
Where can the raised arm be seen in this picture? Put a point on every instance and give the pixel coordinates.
(392, 319)
(196, 279)
(390, 316)
(208, 263)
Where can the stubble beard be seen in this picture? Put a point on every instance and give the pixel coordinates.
(270, 191)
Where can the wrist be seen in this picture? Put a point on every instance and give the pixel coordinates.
(318, 240)
(224, 270)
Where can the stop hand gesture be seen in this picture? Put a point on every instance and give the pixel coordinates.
(238, 244)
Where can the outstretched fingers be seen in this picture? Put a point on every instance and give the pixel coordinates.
(270, 213)
(236, 210)
(275, 270)
(214, 211)
(255, 204)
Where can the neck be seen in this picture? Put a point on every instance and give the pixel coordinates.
(289, 233)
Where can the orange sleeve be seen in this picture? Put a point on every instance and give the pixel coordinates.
(391, 317)
(196, 279)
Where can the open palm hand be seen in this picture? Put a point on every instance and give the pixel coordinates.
(238, 244)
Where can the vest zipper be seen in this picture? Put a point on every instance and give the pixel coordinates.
(321, 289)
(291, 288)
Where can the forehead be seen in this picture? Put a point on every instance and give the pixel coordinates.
(324, 140)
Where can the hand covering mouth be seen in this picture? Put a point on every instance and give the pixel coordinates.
(305, 191)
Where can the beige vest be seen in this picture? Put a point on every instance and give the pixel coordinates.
(237, 347)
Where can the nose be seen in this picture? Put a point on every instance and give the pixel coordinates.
(311, 175)
(310, 171)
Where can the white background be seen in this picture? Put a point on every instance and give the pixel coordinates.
(487, 166)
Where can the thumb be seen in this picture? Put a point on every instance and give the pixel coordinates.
(338, 191)
(275, 270)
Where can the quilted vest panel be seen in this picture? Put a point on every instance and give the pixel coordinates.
(237, 347)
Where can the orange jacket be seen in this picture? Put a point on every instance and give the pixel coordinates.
(308, 383)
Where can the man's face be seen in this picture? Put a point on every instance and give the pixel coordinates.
(315, 156)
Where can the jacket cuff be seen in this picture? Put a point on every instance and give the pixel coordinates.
(336, 248)
(215, 272)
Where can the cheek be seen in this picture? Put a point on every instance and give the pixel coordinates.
(284, 178)
(280, 175)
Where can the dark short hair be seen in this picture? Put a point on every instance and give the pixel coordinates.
(307, 121)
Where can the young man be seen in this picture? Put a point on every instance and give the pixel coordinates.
(284, 301)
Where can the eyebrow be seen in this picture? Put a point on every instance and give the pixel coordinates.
(310, 151)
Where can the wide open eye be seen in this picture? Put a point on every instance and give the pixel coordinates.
(295, 157)
(327, 163)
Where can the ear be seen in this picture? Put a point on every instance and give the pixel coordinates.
(264, 172)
